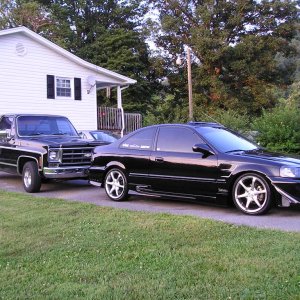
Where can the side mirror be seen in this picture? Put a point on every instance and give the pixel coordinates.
(204, 149)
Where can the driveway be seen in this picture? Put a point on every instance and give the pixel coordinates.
(286, 219)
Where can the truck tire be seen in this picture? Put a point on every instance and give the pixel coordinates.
(31, 178)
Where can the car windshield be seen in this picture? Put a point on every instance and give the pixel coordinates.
(224, 140)
(45, 125)
(104, 136)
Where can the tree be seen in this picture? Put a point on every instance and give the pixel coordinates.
(108, 33)
(234, 44)
(30, 14)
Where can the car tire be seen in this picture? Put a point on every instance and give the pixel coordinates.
(116, 185)
(251, 194)
(31, 178)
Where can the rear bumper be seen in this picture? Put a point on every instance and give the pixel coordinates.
(66, 172)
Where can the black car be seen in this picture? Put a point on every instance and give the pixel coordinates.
(197, 161)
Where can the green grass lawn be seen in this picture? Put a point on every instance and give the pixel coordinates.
(53, 249)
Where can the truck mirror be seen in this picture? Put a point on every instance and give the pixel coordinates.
(3, 134)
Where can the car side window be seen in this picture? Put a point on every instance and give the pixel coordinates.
(176, 139)
(5, 123)
(142, 140)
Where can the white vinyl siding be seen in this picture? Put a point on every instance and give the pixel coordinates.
(23, 82)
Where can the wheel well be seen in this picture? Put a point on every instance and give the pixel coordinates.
(22, 161)
(108, 169)
(234, 178)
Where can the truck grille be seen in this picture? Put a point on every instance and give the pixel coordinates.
(76, 156)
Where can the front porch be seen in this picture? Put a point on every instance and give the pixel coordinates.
(110, 118)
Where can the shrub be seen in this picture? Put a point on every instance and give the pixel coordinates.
(279, 129)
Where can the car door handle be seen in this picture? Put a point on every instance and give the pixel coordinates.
(159, 159)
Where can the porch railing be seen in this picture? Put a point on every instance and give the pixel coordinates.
(110, 118)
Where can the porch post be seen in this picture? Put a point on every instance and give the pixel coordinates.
(119, 98)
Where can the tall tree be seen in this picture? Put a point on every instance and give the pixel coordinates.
(108, 33)
(234, 44)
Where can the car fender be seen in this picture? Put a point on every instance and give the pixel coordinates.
(250, 168)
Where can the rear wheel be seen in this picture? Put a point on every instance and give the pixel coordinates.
(252, 194)
(31, 178)
(115, 184)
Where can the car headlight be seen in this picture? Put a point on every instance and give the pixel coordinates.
(287, 171)
(54, 156)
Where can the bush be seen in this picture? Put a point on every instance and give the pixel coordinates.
(279, 129)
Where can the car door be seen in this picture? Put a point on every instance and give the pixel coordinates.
(134, 153)
(175, 168)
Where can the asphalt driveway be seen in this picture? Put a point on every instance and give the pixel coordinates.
(286, 219)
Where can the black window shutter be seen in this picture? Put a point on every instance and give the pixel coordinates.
(77, 88)
(50, 87)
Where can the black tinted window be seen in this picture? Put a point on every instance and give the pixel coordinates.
(142, 140)
(224, 140)
(176, 139)
(44, 125)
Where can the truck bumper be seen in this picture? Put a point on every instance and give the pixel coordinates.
(66, 172)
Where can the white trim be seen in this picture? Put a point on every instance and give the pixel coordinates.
(124, 80)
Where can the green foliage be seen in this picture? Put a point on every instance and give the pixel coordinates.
(165, 110)
(234, 44)
(233, 119)
(279, 129)
(55, 249)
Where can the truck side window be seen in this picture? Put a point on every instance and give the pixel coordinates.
(5, 123)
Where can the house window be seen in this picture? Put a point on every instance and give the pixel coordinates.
(63, 87)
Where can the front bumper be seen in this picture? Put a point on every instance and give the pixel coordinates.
(66, 172)
(288, 188)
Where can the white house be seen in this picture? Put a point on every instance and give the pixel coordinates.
(37, 76)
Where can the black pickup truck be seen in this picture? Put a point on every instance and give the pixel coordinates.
(42, 147)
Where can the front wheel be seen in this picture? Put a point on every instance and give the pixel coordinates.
(116, 186)
(31, 178)
(252, 194)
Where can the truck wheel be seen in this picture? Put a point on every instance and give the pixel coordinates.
(31, 178)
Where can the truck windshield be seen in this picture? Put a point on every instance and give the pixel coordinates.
(44, 125)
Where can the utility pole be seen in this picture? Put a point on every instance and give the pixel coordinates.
(189, 71)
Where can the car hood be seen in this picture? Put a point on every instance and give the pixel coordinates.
(59, 141)
(273, 157)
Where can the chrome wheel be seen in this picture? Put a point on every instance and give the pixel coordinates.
(116, 185)
(251, 194)
(27, 178)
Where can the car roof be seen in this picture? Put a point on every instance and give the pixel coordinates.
(190, 124)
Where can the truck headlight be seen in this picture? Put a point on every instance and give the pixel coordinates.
(288, 171)
(54, 156)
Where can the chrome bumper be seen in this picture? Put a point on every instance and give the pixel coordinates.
(66, 172)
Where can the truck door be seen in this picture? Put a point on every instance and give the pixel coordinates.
(8, 161)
